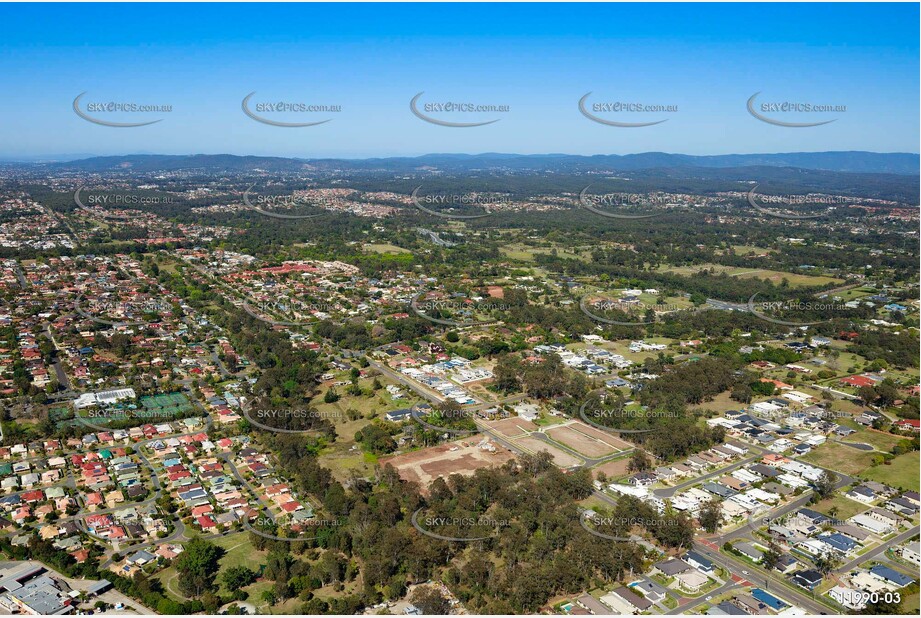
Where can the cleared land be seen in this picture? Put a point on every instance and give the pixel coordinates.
(560, 457)
(510, 427)
(426, 465)
(584, 439)
(881, 441)
(613, 469)
(840, 457)
(902, 473)
(774, 276)
(844, 507)
(384, 248)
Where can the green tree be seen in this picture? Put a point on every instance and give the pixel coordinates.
(237, 577)
(710, 515)
(430, 600)
(197, 566)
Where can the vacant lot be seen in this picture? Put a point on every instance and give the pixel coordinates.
(560, 458)
(613, 469)
(426, 465)
(844, 508)
(902, 473)
(239, 551)
(881, 441)
(513, 426)
(526, 253)
(586, 439)
(774, 276)
(840, 457)
(384, 248)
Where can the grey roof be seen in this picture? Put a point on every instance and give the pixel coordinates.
(673, 566)
(748, 549)
(593, 605)
(632, 598)
(42, 595)
(648, 586)
(731, 609)
(99, 587)
(141, 556)
(719, 490)
(12, 580)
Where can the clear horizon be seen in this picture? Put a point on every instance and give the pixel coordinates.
(699, 64)
(78, 157)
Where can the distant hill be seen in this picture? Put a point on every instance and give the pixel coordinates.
(850, 162)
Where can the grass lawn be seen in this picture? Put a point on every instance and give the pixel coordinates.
(239, 551)
(525, 253)
(721, 403)
(549, 421)
(879, 440)
(594, 502)
(340, 457)
(384, 248)
(911, 604)
(840, 457)
(901, 473)
(746, 249)
(774, 276)
(846, 507)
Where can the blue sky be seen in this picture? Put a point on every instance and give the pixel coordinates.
(538, 59)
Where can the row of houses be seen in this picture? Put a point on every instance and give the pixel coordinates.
(695, 465)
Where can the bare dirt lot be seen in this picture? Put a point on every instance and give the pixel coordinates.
(618, 443)
(560, 458)
(426, 465)
(612, 469)
(581, 438)
(513, 426)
